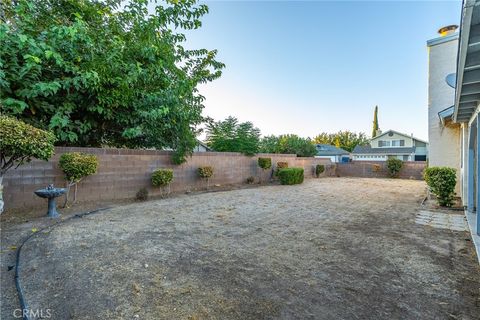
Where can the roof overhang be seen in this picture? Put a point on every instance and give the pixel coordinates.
(467, 91)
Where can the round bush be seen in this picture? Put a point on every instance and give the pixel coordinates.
(394, 166)
(162, 177)
(205, 172)
(20, 142)
(319, 169)
(442, 181)
(291, 176)
(77, 165)
(265, 163)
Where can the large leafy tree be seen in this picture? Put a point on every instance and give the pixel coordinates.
(288, 144)
(346, 140)
(231, 136)
(105, 73)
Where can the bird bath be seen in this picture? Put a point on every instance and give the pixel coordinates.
(51, 193)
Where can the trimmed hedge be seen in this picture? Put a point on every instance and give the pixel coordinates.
(319, 169)
(442, 181)
(265, 163)
(162, 177)
(394, 166)
(291, 176)
(205, 172)
(77, 165)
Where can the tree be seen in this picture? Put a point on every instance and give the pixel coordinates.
(76, 166)
(19, 143)
(288, 144)
(346, 140)
(231, 136)
(105, 73)
(375, 122)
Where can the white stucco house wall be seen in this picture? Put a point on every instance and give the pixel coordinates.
(392, 144)
(456, 129)
(443, 134)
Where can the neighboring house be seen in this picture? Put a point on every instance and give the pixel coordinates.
(392, 144)
(201, 147)
(327, 151)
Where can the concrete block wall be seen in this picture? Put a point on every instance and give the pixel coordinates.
(122, 172)
(410, 169)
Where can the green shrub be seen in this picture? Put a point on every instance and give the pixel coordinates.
(394, 166)
(162, 177)
(76, 166)
(142, 194)
(319, 169)
(205, 172)
(19, 143)
(291, 175)
(265, 163)
(442, 181)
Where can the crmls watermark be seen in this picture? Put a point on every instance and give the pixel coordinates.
(32, 313)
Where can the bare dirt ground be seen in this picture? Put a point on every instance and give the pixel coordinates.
(332, 248)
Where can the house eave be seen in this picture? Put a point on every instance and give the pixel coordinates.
(467, 90)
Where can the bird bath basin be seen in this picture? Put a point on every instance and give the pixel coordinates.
(51, 193)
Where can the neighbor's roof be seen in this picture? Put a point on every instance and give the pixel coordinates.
(399, 133)
(369, 150)
(329, 150)
(467, 91)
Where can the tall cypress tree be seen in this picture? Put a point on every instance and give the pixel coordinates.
(375, 122)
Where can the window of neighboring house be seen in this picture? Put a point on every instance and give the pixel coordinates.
(383, 143)
(398, 143)
(405, 158)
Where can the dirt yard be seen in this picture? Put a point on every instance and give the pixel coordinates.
(332, 248)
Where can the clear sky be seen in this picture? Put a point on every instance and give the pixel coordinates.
(307, 67)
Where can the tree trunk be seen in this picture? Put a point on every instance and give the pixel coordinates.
(1, 194)
(66, 194)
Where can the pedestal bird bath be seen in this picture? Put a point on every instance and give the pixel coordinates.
(51, 193)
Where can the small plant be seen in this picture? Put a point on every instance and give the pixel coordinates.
(319, 169)
(394, 166)
(162, 178)
(291, 176)
(19, 143)
(441, 181)
(281, 165)
(250, 180)
(142, 194)
(76, 166)
(206, 173)
(265, 164)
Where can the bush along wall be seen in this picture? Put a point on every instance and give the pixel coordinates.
(205, 173)
(265, 164)
(319, 169)
(163, 178)
(291, 176)
(76, 166)
(394, 166)
(442, 181)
